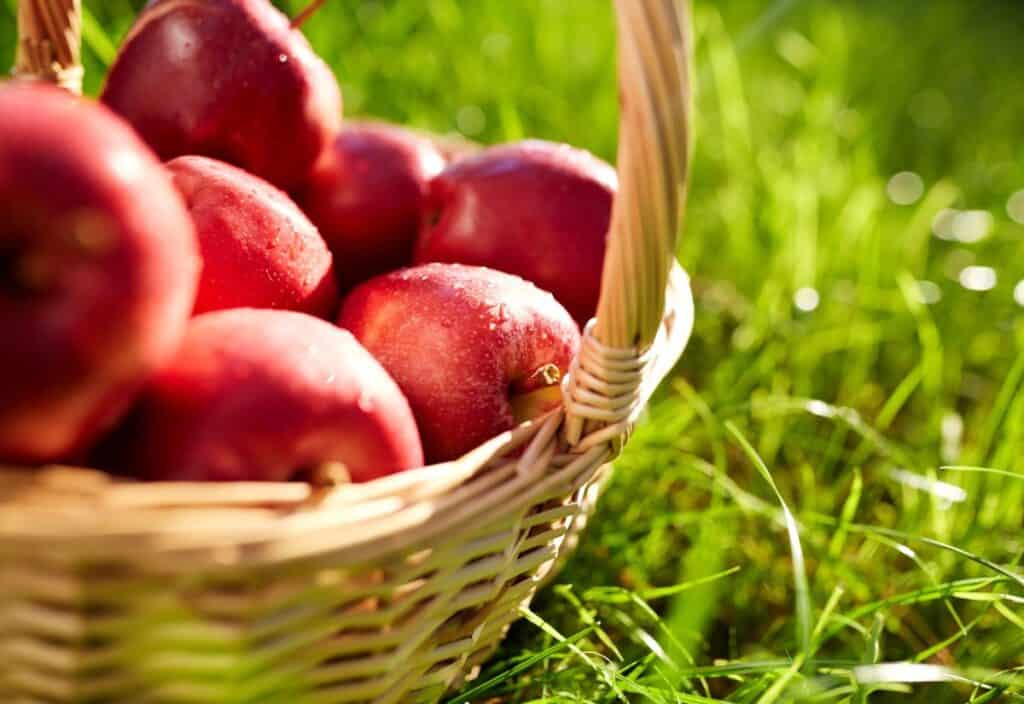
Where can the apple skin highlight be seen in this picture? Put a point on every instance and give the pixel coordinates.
(98, 271)
(464, 343)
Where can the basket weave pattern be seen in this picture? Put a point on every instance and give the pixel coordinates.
(389, 591)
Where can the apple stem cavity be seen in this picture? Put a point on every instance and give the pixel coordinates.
(23, 275)
(432, 217)
(537, 394)
(536, 403)
(329, 474)
(305, 14)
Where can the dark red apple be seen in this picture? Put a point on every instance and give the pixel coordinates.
(475, 350)
(229, 79)
(535, 209)
(267, 395)
(98, 270)
(258, 248)
(366, 194)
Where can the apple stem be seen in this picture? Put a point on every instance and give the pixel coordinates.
(549, 374)
(309, 11)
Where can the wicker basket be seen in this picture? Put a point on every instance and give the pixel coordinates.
(390, 591)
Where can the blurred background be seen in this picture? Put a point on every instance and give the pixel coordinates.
(856, 236)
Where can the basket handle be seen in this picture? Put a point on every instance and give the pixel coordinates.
(655, 140)
(49, 42)
(611, 377)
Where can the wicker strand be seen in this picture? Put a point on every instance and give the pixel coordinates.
(49, 34)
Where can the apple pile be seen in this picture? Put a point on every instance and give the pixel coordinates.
(206, 276)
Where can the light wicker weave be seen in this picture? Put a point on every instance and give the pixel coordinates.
(390, 591)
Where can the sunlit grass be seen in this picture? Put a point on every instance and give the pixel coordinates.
(845, 392)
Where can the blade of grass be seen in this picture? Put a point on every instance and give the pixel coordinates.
(1007, 394)
(618, 595)
(803, 592)
(928, 335)
(847, 515)
(779, 685)
(983, 470)
(826, 613)
(943, 644)
(95, 37)
(1009, 615)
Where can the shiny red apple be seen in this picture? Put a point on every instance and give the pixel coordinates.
(366, 194)
(266, 395)
(258, 248)
(475, 350)
(535, 209)
(229, 79)
(98, 270)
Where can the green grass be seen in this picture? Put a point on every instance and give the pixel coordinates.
(804, 503)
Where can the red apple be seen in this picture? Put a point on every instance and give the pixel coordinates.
(475, 350)
(266, 395)
(258, 249)
(535, 209)
(366, 195)
(98, 270)
(229, 79)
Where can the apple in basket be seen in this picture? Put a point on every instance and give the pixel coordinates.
(98, 270)
(366, 193)
(230, 79)
(535, 209)
(474, 350)
(265, 395)
(258, 249)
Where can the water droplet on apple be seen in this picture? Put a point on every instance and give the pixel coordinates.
(503, 313)
(365, 402)
(283, 58)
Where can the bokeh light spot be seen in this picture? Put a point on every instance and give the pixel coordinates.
(1018, 293)
(806, 299)
(1015, 207)
(978, 278)
(928, 292)
(942, 224)
(905, 188)
(972, 225)
(470, 120)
